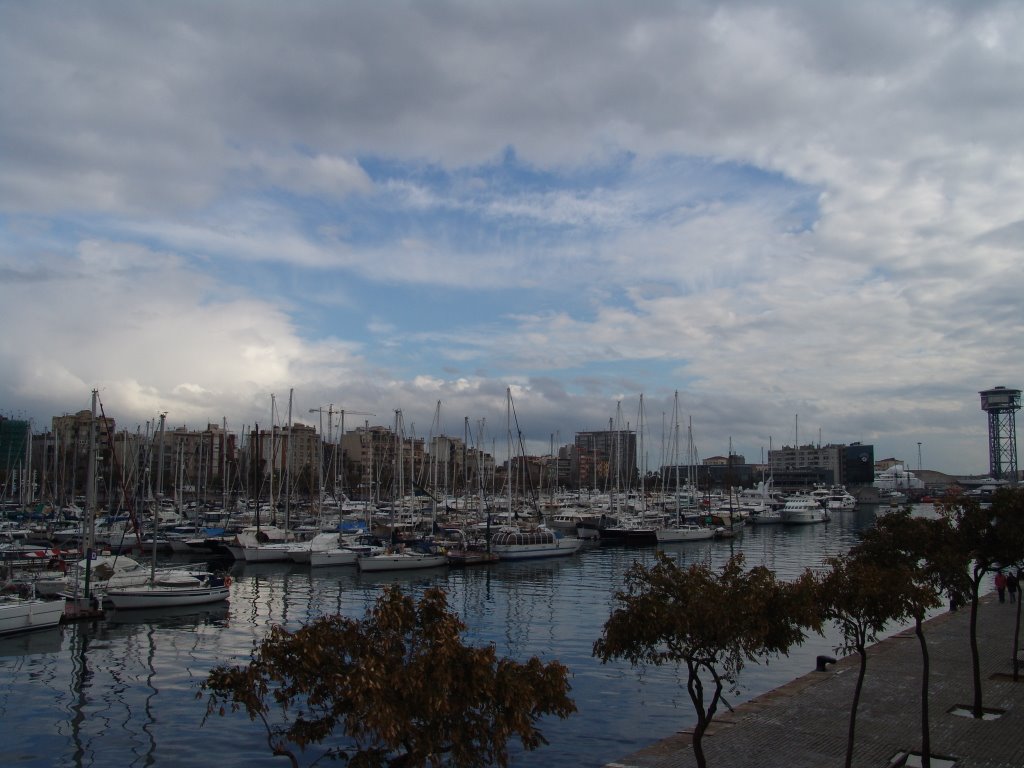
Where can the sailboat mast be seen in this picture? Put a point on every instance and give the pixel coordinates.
(508, 428)
(286, 458)
(273, 460)
(224, 464)
(90, 496)
(160, 489)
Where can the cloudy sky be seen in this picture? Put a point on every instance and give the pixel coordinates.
(803, 217)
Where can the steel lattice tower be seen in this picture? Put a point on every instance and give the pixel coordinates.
(1001, 405)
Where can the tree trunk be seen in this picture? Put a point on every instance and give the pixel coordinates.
(856, 701)
(696, 690)
(698, 747)
(977, 710)
(1016, 637)
(926, 739)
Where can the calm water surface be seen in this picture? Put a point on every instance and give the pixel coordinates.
(122, 691)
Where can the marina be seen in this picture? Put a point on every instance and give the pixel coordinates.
(122, 689)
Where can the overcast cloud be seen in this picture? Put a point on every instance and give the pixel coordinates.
(775, 209)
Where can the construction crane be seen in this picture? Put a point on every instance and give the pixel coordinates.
(330, 432)
(330, 418)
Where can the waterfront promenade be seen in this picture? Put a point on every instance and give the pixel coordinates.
(803, 724)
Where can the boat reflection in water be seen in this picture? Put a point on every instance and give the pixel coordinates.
(188, 616)
(122, 690)
(32, 643)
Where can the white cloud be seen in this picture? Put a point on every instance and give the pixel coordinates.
(814, 205)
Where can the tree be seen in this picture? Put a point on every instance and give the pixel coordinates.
(711, 622)
(400, 685)
(989, 538)
(1008, 519)
(863, 596)
(925, 550)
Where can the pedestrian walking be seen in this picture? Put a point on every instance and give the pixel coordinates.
(1012, 584)
(1001, 585)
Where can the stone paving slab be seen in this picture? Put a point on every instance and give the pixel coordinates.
(803, 724)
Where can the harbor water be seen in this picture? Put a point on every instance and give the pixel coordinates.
(122, 691)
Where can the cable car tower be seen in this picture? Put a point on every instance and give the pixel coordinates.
(1001, 405)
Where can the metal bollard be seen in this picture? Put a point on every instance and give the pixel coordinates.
(822, 662)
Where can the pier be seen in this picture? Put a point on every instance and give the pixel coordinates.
(803, 724)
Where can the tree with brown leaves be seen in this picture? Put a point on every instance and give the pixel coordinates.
(713, 622)
(989, 537)
(921, 560)
(397, 689)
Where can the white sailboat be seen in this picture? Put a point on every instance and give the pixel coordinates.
(23, 614)
(402, 560)
(681, 530)
(129, 587)
(400, 557)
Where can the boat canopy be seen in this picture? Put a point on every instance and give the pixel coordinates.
(534, 536)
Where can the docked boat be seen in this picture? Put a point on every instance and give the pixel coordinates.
(404, 560)
(261, 544)
(325, 558)
(766, 516)
(840, 499)
(518, 544)
(197, 590)
(139, 587)
(728, 527)
(302, 551)
(24, 614)
(347, 550)
(632, 530)
(569, 520)
(803, 510)
(684, 532)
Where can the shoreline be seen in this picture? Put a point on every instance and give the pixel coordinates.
(805, 721)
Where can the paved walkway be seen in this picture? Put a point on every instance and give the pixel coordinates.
(803, 724)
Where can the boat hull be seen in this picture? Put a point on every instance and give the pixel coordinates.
(636, 537)
(558, 548)
(160, 596)
(672, 535)
(329, 557)
(27, 615)
(404, 561)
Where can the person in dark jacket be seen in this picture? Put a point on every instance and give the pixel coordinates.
(1012, 584)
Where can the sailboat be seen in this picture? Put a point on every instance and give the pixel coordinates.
(176, 587)
(399, 556)
(682, 530)
(22, 614)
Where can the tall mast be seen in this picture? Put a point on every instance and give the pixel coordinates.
(224, 464)
(273, 461)
(286, 457)
(160, 492)
(90, 496)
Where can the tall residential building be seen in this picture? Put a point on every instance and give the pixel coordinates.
(71, 451)
(606, 459)
(805, 465)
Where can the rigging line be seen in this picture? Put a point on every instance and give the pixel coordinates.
(136, 525)
(522, 452)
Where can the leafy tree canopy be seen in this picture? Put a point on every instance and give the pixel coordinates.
(398, 688)
(671, 614)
